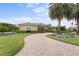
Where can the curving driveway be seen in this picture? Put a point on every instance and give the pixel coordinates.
(39, 45)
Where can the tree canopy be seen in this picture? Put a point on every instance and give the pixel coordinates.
(6, 27)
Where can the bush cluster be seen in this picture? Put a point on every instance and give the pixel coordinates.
(5, 27)
(25, 31)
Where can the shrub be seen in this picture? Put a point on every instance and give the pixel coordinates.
(33, 31)
(28, 31)
(3, 29)
(62, 28)
(20, 31)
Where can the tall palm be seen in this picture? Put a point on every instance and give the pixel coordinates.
(58, 11)
(76, 15)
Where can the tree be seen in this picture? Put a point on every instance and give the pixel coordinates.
(10, 27)
(76, 15)
(49, 28)
(58, 11)
(41, 28)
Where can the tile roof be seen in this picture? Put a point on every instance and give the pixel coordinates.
(33, 24)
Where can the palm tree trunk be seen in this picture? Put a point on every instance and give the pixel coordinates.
(59, 23)
(77, 26)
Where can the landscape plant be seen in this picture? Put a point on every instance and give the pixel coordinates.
(58, 11)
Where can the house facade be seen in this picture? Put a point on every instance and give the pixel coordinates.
(30, 26)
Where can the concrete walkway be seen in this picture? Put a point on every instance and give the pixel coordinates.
(40, 45)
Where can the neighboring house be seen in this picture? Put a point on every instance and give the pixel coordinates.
(31, 26)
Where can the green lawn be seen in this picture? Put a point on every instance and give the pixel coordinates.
(11, 44)
(74, 41)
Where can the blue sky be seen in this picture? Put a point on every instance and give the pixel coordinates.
(27, 12)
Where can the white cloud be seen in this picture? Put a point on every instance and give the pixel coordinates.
(16, 20)
(29, 5)
(22, 18)
(32, 5)
(41, 12)
(41, 9)
(6, 21)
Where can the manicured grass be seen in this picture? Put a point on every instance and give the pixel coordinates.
(11, 44)
(74, 40)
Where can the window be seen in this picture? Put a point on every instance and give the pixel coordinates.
(29, 28)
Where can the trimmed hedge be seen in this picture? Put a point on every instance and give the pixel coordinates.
(23, 31)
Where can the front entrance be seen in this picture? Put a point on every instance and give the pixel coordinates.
(29, 29)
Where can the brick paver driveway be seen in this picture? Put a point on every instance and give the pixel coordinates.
(40, 45)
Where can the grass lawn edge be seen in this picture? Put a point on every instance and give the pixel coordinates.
(21, 46)
(11, 45)
(19, 49)
(49, 36)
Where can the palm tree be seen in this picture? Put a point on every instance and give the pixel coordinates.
(76, 16)
(58, 11)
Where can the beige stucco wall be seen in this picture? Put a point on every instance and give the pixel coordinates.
(34, 28)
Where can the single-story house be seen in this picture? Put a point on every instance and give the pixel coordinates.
(31, 26)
